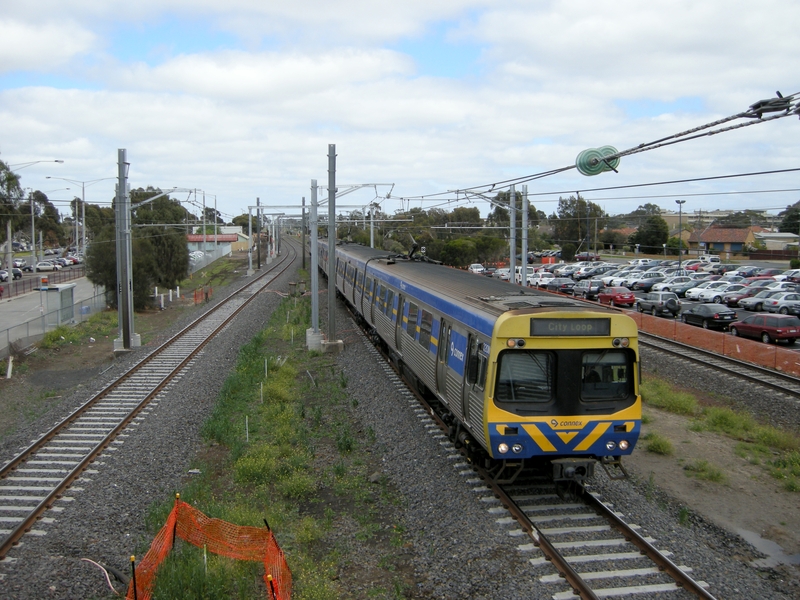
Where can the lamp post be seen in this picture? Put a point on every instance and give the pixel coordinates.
(680, 232)
(34, 257)
(33, 162)
(83, 207)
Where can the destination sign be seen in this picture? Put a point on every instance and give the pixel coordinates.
(570, 327)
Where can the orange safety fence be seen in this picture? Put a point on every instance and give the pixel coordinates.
(203, 294)
(219, 537)
(758, 353)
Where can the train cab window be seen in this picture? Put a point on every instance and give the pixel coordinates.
(605, 375)
(525, 376)
(425, 326)
(413, 312)
(389, 302)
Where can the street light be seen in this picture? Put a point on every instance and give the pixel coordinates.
(33, 229)
(680, 232)
(28, 164)
(83, 208)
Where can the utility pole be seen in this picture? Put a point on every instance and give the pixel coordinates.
(127, 338)
(331, 243)
(512, 210)
(258, 232)
(303, 231)
(524, 253)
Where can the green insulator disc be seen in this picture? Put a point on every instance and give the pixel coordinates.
(590, 162)
(609, 151)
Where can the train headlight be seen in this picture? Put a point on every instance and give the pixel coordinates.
(621, 342)
(623, 445)
(516, 448)
(502, 448)
(610, 445)
(515, 343)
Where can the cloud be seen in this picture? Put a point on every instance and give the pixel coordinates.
(41, 47)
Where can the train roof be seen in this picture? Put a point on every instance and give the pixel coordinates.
(485, 293)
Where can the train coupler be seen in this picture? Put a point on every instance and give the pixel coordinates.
(572, 469)
(613, 467)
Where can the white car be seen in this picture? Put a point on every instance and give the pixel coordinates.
(518, 273)
(540, 279)
(788, 286)
(47, 266)
(476, 268)
(503, 274)
(715, 294)
(669, 283)
(694, 293)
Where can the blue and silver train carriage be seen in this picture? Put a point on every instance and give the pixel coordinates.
(523, 375)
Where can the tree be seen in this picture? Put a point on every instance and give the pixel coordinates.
(576, 221)
(790, 222)
(10, 195)
(651, 235)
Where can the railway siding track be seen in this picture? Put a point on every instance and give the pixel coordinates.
(36, 480)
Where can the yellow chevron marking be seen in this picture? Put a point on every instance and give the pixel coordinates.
(599, 430)
(539, 438)
(566, 436)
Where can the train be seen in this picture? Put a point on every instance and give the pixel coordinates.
(521, 377)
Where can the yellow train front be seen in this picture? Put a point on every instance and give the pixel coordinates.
(563, 386)
(519, 375)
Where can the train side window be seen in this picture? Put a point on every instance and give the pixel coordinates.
(380, 299)
(413, 312)
(389, 302)
(368, 289)
(525, 376)
(605, 375)
(425, 327)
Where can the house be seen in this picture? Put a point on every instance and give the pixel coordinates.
(720, 240)
(774, 240)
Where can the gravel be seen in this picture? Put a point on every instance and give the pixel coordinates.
(459, 550)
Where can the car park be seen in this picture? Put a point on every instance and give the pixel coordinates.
(616, 296)
(560, 284)
(659, 303)
(588, 288)
(756, 302)
(768, 328)
(709, 316)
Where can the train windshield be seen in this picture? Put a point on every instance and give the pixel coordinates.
(525, 377)
(605, 375)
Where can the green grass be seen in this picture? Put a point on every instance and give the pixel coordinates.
(658, 444)
(96, 326)
(660, 394)
(280, 475)
(702, 469)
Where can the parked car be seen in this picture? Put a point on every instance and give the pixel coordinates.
(489, 271)
(476, 268)
(560, 284)
(645, 281)
(19, 263)
(732, 298)
(783, 303)
(694, 293)
(616, 296)
(588, 288)
(768, 272)
(15, 274)
(529, 270)
(594, 272)
(503, 273)
(587, 256)
(46, 265)
(540, 279)
(756, 302)
(716, 294)
(669, 283)
(659, 303)
(709, 316)
(768, 328)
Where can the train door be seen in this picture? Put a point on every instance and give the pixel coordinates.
(472, 350)
(398, 326)
(441, 358)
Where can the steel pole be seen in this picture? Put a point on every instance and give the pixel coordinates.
(331, 242)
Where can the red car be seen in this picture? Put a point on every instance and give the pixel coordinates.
(616, 296)
(768, 328)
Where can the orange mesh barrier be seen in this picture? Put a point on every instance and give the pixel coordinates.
(220, 537)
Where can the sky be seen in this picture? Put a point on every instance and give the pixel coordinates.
(241, 99)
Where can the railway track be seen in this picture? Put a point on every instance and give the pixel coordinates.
(775, 380)
(594, 551)
(35, 481)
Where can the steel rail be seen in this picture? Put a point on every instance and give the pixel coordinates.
(47, 502)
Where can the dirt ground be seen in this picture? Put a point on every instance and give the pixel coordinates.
(749, 503)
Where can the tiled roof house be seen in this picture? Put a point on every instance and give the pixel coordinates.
(718, 240)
